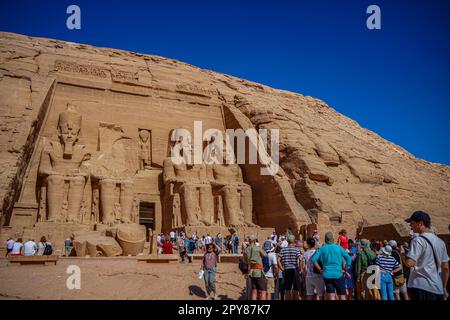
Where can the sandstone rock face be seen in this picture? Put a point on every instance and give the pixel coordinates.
(131, 102)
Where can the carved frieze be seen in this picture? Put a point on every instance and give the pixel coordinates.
(84, 69)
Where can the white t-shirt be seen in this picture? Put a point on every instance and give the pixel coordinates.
(16, 248)
(424, 275)
(29, 248)
(172, 234)
(10, 244)
(309, 265)
(272, 261)
(284, 244)
(208, 240)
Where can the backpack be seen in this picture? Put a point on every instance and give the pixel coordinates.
(266, 264)
(48, 250)
(243, 266)
(191, 245)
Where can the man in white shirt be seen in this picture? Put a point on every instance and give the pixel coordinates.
(17, 248)
(172, 236)
(272, 274)
(208, 239)
(284, 243)
(428, 259)
(315, 286)
(274, 237)
(29, 248)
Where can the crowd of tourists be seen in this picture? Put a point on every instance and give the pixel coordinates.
(29, 248)
(285, 268)
(186, 245)
(348, 269)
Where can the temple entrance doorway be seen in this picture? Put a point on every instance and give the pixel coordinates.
(147, 217)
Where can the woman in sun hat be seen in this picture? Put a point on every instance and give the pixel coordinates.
(388, 265)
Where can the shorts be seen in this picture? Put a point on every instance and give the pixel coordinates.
(335, 285)
(291, 280)
(419, 294)
(401, 289)
(315, 283)
(270, 285)
(259, 284)
(8, 250)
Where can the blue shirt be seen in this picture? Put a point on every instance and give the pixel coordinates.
(331, 257)
(188, 242)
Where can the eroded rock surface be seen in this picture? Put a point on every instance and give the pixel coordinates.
(329, 163)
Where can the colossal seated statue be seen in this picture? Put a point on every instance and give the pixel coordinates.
(191, 182)
(61, 165)
(111, 171)
(227, 180)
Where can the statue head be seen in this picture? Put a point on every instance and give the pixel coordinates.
(144, 135)
(69, 126)
(181, 146)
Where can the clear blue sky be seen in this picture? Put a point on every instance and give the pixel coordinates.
(394, 81)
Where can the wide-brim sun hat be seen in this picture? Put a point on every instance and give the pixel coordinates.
(387, 250)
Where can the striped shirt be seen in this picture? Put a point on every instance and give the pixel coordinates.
(386, 263)
(289, 257)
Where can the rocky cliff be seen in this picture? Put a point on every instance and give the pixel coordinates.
(332, 164)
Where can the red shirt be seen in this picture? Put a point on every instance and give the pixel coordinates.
(343, 241)
(167, 248)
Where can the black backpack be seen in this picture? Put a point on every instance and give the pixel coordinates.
(191, 245)
(243, 266)
(48, 250)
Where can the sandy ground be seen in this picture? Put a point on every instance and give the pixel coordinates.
(119, 278)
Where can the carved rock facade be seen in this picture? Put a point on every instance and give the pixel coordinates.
(84, 140)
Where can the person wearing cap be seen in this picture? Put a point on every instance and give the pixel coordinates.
(209, 266)
(388, 265)
(272, 274)
(253, 255)
(400, 276)
(332, 257)
(289, 262)
(267, 242)
(428, 258)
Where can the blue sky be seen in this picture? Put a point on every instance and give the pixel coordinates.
(394, 81)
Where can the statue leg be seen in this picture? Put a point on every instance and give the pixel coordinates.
(206, 204)
(190, 201)
(75, 197)
(55, 194)
(247, 205)
(231, 206)
(126, 200)
(107, 187)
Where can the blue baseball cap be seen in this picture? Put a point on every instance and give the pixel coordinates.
(420, 216)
